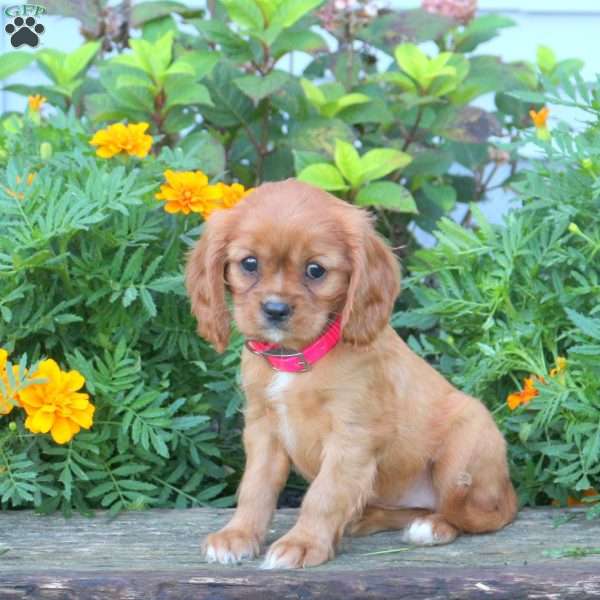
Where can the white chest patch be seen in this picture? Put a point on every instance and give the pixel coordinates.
(278, 384)
(275, 392)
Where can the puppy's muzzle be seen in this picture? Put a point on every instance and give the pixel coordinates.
(276, 312)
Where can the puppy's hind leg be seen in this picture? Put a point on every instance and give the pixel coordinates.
(471, 477)
(375, 518)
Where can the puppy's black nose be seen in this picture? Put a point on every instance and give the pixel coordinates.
(276, 311)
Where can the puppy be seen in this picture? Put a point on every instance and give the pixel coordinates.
(386, 441)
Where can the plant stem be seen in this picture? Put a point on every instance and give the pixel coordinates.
(410, 138)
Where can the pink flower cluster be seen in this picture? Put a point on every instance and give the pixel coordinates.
(335, 11)
(459, 10)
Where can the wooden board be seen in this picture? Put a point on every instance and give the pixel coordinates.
(155, 555)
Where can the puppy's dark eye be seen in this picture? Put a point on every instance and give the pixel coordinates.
(250, 264)
(314, 270)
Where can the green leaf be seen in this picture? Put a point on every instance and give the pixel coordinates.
(143, 12)
(245, 13)
(480, 30)
(184, 92)
(76, 61)
(268, 7)
(51, 62)
(313, 93)
(330, 109)
(290, 11)
(127, 81)
(412, 60)
(348, 162)
(443, 196)
(152, 58)
(379, 162)
(388, 195)
(324, 176)
(258, 87)
(201, 61)
(298, 41)
(318, 134)
(230, 107)
(546, 59)
(587, 325)
(148, 302)
(12, 62)
(396, 27)
(207, 152)
(525, 96)
(129, 296)
(304, 158)
(233, 47)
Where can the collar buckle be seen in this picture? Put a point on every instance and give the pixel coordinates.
(282, 354)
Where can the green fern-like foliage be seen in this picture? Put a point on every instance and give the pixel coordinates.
(91, 276)
(498, 304)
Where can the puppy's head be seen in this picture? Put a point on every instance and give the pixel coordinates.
(294, 258)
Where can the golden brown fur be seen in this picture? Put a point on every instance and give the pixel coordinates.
(385, 441)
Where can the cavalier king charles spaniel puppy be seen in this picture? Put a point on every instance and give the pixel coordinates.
(332, 390)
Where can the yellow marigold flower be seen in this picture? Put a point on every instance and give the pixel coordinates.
(56, 406)
(230, 196)
(30, 178)
(540, 117)
(36, 102)
(526, 395)
(561, 365)
(130, 139)
(6, 401)
(189, 191)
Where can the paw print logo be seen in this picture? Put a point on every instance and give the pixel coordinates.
(24, 31)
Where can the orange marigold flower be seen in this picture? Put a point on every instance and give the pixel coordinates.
(36, 102)
(526, 395)
(189, 191)
(130, 139)
(589, 493)
(56, 406)
(540, 118)
(19, 195)
(7, 397)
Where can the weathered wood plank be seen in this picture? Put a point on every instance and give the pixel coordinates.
(155, 554)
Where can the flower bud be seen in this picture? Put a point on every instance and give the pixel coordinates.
(574, 228)
(45, 150)
(12, 426)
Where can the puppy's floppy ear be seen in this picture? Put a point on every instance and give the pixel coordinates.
(374, 283)
(205, 280)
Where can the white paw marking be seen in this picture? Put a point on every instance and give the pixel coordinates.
(274, 561)
(210, 555)
(420, 532)
(225, 557)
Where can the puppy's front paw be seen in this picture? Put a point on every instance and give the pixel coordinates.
(293, 551)
(230, 546)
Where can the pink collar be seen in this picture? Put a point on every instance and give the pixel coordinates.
(298, 362)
